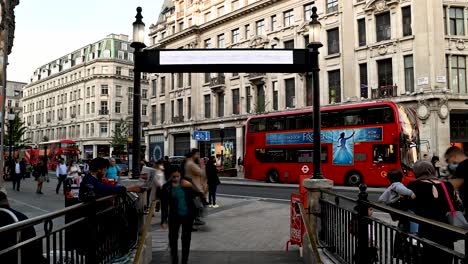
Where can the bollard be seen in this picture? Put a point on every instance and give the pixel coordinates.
(363, 226)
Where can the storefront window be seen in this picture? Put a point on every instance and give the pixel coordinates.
(222, 146)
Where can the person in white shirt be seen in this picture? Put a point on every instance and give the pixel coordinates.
(74, 171)
(17, 175)
(61, 175)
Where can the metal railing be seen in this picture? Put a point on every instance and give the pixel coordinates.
(99, 231)
(309, 235)
(352, 235)
(385, 92)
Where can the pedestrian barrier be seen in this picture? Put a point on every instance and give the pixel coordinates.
(99, 231)
(351, 234)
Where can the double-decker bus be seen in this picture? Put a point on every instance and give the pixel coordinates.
(57, 150)
(360, 144)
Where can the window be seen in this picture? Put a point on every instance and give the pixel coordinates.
(163, 85)
(290, 92)
(363, 80)
(307, 12)
(207, 43)
(120, 55)
(235, 101)
(118, 90)
(289, 44)
(163, 113)
(93, 90)
(87, 108)
(409, 73)
(144, 109)
(362, 31)
(384, 153)
(274, 23)
(189, 108)
(104, 89)
(385, 72)
(180, 107)
(103, 129)
(260, 27)
(124, 46)
(103, 106)
(181, 26)
(117, 107)
(334, 86)
(144, 93)
(220, 104)
(248, 97)
(288, 18)
(172, 109)
(180, 80)
(382, 22)
(118, 70)
(247, 31)
(207, 106)
(333, 39)
(235, 35)
(153, 115)
(87, 130)
(221, 41)
(207, 16)
(275, 95)
(332, 6)
(456, 19)
(458, 74)
(93, 108)
(406, 14)
(189, 76)
(235, 5)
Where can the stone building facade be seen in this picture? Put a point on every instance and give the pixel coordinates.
(373, 50)
(83, 96)
(13, 98)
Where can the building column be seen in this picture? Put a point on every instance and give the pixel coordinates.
(193, 143)
(94, 151)
(239, 143)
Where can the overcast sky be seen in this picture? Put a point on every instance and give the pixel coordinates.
(49, 29)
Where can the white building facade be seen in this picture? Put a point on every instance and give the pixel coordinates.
(83, 96)
(373, 50)
(13, 98)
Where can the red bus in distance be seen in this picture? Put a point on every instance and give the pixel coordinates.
(57, 150)
(360, 144)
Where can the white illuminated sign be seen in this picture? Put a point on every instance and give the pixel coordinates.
(205, 57)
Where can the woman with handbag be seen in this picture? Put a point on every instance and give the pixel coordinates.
(178, 209)
(433, 199)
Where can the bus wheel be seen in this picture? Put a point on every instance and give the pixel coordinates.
(353, 178)
(273, 176)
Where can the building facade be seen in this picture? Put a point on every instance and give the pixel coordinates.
(13, 98)
(83, 96)
(373, 50)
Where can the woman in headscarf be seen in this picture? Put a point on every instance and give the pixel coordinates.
(431, 202)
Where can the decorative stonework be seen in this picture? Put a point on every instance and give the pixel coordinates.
(444, 110)
(383, 49)
(379, 6)
(259, 42)
(460, 44)
(423, 110)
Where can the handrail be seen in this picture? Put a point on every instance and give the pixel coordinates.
(310, 234)
(344, 197)
(144, 232)
(39, 219)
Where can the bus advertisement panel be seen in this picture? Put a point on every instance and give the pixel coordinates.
(360, 143)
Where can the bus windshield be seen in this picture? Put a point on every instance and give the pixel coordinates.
(409, 136)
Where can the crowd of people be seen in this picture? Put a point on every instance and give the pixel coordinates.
(433, 198)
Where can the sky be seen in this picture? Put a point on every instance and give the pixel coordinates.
(48, 29)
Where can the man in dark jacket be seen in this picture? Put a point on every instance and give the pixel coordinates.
(30, 253)
(178, 209)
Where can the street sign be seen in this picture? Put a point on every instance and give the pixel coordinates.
(201, 135)
(305, 169)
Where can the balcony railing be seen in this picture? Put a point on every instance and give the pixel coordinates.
(177, 119)
(73, 115)
(60, 118)
(103, 112)
(385, 92)
(256, 75)
(49, 119)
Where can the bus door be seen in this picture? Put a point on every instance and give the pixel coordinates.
(384, 159)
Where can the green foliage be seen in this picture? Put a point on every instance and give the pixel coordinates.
(120, 137)
(17, 130)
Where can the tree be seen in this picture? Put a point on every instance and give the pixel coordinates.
(120, 137)
(17, 130)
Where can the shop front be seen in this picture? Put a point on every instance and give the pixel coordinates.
(222, 146)
(88, 152)
(156, 147)
(459, 130)
(181, 144)
(103, 151)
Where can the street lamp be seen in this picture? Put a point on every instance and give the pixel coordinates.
(138, 44)
(11, 118)
(315, 29)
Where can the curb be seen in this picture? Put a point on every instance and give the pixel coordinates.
(240, 182)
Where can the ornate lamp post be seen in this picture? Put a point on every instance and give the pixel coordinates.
(138, 45)
(315, 29)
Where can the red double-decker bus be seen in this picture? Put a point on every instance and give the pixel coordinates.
(360, 144)
(57, 150)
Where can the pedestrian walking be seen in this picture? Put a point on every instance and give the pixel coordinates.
(23, 168)
(113, 171)
(17, 174)
(431, 202)
(195, 172)
(178, 210)
(40, 174)
(61, 174)
(213, 181)
(240, 164)
(73, 171)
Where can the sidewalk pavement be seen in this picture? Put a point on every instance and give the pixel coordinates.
(240, 231)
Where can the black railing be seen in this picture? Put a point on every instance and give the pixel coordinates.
(385, 92)
(100, 231)
(352, 236)
(103, 112)
(219, 80)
